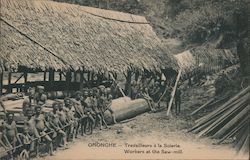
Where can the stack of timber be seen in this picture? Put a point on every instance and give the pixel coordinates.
(230, 120)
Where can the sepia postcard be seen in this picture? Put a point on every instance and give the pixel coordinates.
(124, 79)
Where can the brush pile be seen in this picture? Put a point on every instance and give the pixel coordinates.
(229, 121)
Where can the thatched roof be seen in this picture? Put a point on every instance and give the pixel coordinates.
(45, 34)
(205, 58)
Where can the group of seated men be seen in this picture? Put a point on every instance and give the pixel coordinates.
(56, 128)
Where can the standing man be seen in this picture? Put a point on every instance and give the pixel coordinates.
(79, 110)
(178, 100)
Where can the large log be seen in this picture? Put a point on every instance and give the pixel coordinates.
(202, 107)
(124, 108)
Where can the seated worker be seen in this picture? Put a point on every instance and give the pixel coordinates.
(57, 126)
(73, 121)
(4, 140)
(41, 128)
(40, 96)
(26, 141)
(10, 132)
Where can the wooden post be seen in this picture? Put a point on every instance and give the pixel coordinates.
(51, 78)
(44, 75)
(128, 83)
(81, 81)
(1, 83)
(173, 92)
(75, 76)
(9, 83)
(60, 76)
(68, 80)
(51, 75)
(25, 81)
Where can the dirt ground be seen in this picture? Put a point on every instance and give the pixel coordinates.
(156, 136)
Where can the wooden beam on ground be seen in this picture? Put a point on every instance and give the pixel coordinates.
(224, 106)
(173, 92)
(213, 117)
(228, 126)
(221, 119)
(202, 107)
(233, 131)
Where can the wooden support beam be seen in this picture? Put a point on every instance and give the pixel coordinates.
(60, 76)
(44, 76)
(75, 76)
(51, 75)
(1, 83)
(68, 81)
(173, 92)
(81, 81)
(9, 82)
(19, 78)
(25, 75)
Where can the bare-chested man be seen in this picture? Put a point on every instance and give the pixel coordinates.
(73, 121)
(57, 126)
(11, 129)
(40, 125)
